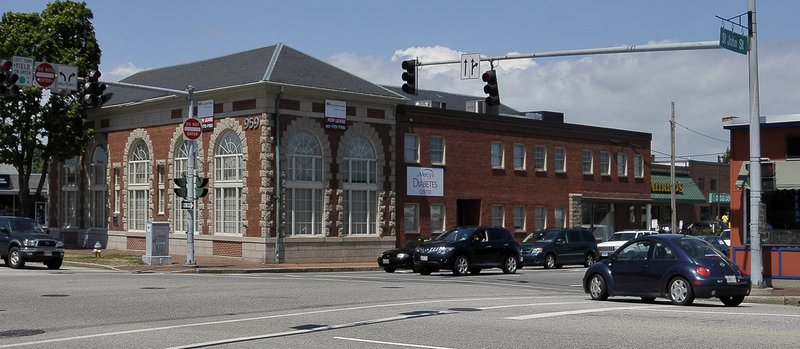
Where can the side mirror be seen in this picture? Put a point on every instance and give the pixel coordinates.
(612, 257)
(5, 231)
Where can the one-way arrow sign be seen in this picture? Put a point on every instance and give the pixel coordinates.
(470, 66)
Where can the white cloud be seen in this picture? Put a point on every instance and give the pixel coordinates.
(121, 71)
(630, 91)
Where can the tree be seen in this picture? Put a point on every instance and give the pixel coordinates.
(36, 128)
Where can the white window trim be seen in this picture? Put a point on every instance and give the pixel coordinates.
(444, 146)
(638, 161)
(544, 160)
(591, 161)
(523, 155)
(502, 154)
(563, 160)
(605, 170)
(415, 148)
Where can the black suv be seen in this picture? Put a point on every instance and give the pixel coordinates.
(553, 248)
(468, 249)
(23, 240)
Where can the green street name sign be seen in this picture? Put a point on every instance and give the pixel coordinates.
(733, 41)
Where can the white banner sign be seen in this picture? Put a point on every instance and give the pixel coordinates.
(424, 181)
(335, 114)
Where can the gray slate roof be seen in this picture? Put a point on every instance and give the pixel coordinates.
(453, 101)
(277, 63)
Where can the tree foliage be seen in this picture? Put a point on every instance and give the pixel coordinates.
(36, 128)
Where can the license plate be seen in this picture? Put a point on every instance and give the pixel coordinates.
(423, 258)
(48, 253)
(385, 261)
(731, 279)
(604, 254)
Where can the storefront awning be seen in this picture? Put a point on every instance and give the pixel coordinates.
(787, 175)
(686, 190)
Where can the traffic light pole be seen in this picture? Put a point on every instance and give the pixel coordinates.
(190, 177)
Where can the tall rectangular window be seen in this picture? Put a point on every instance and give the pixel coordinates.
(540, 157)
(561, 217)
(560, 159)
(161, 189)
(437, 218)
(437, 150)
(519, 156)
(117, 189)
(638, 166)
(519, 218)
(587, 162)
(411, 146)
(540, 218)
(411, 218)
(497, 154)
(605, 163)
(497, 215)
(622, 164)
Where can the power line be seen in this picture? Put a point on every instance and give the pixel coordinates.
(704, 135)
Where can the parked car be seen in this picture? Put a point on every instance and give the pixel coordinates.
(726, 235)
(717, 242)
(23, 240)
(554, 248)
(677, 267)
(468, 249)
(618, 239)
(401, 257)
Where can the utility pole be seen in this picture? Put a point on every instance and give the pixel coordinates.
(672, 185)
(756, 272)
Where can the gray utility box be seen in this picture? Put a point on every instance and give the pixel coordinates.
(157, 249)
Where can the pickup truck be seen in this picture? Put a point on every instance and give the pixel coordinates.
(23, 240)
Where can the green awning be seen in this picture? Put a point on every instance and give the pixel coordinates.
(686, 190)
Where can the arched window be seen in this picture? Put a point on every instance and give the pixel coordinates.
(69, 193)
(138, 186)
(304, 185)
(360, 187)
(228, 184)
(180, 164)
(98, 188)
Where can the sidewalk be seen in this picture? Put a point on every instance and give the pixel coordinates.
(785, 295)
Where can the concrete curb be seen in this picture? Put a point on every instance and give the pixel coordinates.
(274, 270)
(779, 300)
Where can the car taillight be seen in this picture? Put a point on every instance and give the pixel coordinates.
(702, 271)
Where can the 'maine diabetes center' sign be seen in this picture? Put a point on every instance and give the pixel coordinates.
(424, 181)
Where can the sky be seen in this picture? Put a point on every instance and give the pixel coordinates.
(370, 38)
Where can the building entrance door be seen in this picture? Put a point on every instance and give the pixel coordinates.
(468, 212)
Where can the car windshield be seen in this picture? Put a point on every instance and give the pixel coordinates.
(456, 234)
(542, 235)
(622, 236)
(414, 243)
(697, 248)
(25, 226)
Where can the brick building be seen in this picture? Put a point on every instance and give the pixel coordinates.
(277, 113)
(523, 171)
(779, 223)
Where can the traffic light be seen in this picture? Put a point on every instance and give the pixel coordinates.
(490, 78)
(8, 80)
(180, 186)
(410, 76)
(93, 91)
(201, 189)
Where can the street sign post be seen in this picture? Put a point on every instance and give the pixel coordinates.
(192, 129)
(470, 66)
(23, 67)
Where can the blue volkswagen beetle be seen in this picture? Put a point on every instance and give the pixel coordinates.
(677, 267)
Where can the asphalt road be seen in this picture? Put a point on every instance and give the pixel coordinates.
(79, 308)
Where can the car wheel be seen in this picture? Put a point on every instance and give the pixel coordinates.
(680, 291)
(389, 270)
(550, 261)
(424, 271)
(649, 299)
(732, 301)
(54, 264)
(510, 264)
(598, 288)
(589, 260)
(15, 258)
(461, 266)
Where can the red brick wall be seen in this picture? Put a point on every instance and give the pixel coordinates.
(469, 175)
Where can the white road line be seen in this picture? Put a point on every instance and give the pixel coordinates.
(725, 313)
(266, 317)
(529, 304)
(390, 343)
(574, 312)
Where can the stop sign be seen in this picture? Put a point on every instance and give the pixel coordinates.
(45, 74)
(192, 130)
